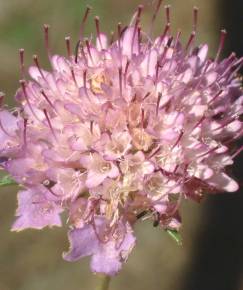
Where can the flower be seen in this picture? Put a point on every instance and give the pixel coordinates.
(119, 131)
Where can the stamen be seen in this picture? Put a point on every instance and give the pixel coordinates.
(139, 38)
(97, 25)
(238, 65)
(237, 152)
(68, 46)
(238, 62)
(119, 31)
(235, 137)
(120, 81)
(201, 78)
(25, 131)
(198, 123)
(148, 94)
(157, 220)
(86, 14)
(162, 57)
(215, 97)
(177, 166)
(123, 30)
(178, 36)
(125, 73)
(164, 172)
(178, 139)
(231, 62)
(157, 73)
(139, 12)
(143, 118)
(2, 95)
(48, 100)
(76, 51)
(91, 127)
(46, 37)
(73, 76)
(89, 51)
(195, 18)
(134, 98)
(23, 85)
(166, 30)
(167, 46)
(119, 28)
(221, 44)
(51, 191)
(154, 17)
(85, 82)
(119, 167)
(209, 151)
(154, 153)
(21, 58)
(190, 40)
(224, 124)
(36, 61)
(49, 124)
(174, 210)
(102, 239)
(141, 214)
(111, 37)
(167, 13)
(169, 41)
(158, 102)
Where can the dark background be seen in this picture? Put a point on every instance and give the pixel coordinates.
(212, 254)
(218, 248)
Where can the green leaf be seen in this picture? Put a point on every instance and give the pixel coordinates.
(175, 235)
(7, 180)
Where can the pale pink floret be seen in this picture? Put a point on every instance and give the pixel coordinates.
(98, 169)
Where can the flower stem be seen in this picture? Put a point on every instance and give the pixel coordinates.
(104, 282)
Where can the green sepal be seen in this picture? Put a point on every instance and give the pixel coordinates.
(175, 235)
(7, 180)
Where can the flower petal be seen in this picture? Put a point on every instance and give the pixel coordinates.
(83, 242)
(36, 210)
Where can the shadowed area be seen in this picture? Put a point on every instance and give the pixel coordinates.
(217, 260)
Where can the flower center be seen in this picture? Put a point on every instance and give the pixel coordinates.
(141, 139)
(105, 167)
(96, 82)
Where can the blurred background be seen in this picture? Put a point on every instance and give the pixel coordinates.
(211, 257)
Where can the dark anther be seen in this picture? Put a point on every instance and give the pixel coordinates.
(155, 223)
(141, 214)
(76, 51)
(156, 220)
(3, 159)
(169, 41)
(48, 183)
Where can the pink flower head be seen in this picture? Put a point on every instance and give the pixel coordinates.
(125, 128)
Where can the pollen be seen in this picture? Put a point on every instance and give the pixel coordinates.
(141, 140)
(96, 82)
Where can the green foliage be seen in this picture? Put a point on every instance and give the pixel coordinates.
(175, 235)
(7, 180)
